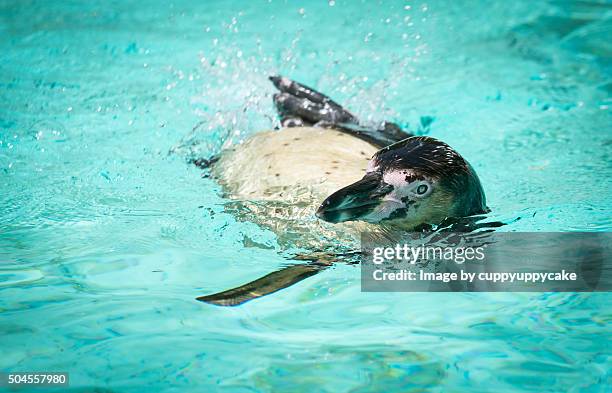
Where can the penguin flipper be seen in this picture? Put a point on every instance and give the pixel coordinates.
(265, 285)
(299, 105)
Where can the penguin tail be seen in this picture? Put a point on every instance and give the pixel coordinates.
(300, 106)
(296, 102)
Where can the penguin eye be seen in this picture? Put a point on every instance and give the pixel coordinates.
(422, 189)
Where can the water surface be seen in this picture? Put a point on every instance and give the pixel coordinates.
(107, 234)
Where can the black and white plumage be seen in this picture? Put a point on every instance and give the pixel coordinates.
(327, 178)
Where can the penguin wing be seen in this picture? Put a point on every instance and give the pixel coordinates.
(265, 285)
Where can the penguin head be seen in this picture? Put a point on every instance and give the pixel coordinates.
(419, 180)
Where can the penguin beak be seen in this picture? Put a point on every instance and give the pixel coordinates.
(355, 201)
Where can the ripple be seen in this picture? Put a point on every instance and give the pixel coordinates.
(19, 277)
(104, 245)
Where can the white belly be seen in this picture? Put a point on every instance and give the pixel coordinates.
(276, 165)
(282, 176)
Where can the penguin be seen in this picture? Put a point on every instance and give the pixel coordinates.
(323, 178)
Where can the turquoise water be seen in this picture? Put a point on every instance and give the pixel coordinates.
(107, 234)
